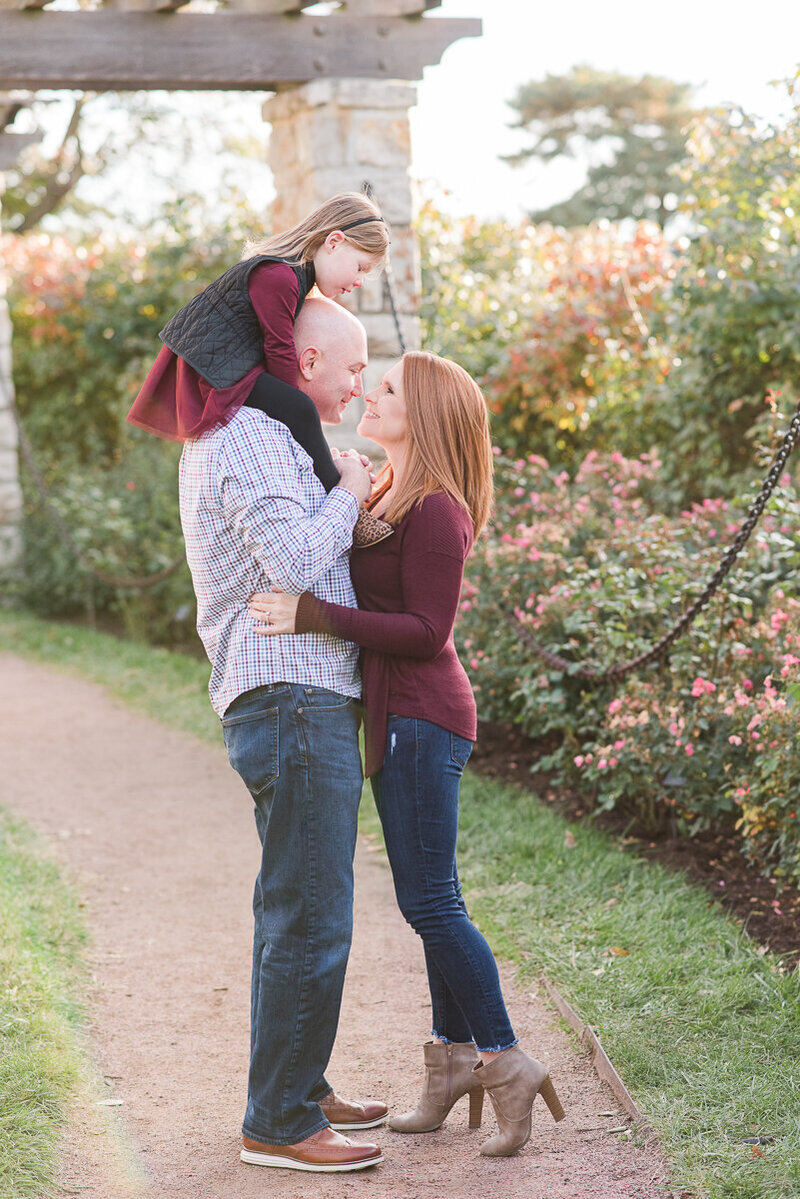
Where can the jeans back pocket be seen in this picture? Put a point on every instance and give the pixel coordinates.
(460, 749)
(253, 744)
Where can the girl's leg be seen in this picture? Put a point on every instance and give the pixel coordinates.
(417, 797)
(297, 411)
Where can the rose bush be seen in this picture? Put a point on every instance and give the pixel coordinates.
(596, 574)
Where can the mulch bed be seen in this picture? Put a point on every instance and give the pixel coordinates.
(770, 916)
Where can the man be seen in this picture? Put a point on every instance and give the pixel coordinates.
(256, 517)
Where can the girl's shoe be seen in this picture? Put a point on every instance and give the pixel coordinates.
(369, 530)
(512, 1081)
(448, 1076)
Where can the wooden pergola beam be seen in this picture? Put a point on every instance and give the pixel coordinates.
(123, 51)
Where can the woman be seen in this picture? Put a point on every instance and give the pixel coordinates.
(420, 719)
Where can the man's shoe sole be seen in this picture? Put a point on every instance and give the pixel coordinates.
(356, 1127)
(275, 1159)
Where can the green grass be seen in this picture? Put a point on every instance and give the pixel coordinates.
(704, 1030)
(41, 939)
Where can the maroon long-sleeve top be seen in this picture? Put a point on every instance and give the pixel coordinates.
(177, 403)
(408, 589)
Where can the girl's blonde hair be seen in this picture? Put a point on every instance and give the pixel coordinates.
(449, 446)
(301, 242)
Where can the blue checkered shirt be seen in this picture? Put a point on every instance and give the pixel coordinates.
(255, 516)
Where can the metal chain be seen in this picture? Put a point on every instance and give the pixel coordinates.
(590, 674)
(388, 281)
(130, 584)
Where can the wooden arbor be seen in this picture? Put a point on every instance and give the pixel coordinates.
(343, 77)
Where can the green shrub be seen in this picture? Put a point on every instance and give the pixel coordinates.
(733, 325)
(123, 522)
(589, 361)
(597, 576)
(86, 320)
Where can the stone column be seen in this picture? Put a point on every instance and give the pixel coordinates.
(10, 491)
(330, 136)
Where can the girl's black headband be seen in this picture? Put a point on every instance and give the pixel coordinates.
(362, 221)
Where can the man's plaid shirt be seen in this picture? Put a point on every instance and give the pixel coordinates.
(255, 516)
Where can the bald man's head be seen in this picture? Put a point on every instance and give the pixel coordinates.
(331, 348)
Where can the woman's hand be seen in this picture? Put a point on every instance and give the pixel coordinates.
(273, 611)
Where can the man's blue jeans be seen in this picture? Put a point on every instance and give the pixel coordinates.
(296, 748)
(416, 793)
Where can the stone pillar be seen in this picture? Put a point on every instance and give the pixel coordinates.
(10, 491)
(332, 135)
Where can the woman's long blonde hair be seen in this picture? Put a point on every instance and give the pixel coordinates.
(449, 446)
(301, 242)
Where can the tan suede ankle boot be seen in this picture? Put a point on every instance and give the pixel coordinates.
(513, 1080)
(448, 1076)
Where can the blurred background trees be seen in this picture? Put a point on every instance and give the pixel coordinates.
(631, 131)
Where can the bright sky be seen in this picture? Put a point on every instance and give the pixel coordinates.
(729, 49)
(726, 48)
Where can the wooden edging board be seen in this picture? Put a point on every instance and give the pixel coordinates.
(600, 1059)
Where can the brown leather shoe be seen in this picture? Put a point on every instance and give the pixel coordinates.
(324, 1152)
(347, 1115)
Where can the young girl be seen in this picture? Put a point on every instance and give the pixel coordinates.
(221, 346)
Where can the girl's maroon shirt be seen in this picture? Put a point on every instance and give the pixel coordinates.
(408, 589)
(177, 403)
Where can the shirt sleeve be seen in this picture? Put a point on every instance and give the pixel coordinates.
(274, 291)
(432, 568)
(261, 490)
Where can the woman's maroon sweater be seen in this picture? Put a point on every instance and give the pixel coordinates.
(408, 590)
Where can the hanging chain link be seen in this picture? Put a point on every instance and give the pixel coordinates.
(614, 674)
(388, 281)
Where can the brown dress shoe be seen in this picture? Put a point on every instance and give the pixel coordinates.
(345, 1115)
(324, 1152)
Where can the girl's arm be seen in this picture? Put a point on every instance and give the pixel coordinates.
(274, 290)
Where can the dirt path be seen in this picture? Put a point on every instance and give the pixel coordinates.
(158, 832)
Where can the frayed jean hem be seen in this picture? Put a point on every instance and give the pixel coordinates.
(497, 1048)
(437, 1036)
(480, 1048)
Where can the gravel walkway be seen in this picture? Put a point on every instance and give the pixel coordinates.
(158, 832)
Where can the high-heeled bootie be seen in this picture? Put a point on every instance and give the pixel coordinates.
(512, 1081)
(448, 1076)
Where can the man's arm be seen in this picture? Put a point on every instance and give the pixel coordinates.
(261, 490)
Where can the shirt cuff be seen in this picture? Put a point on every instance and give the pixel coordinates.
(343, 502)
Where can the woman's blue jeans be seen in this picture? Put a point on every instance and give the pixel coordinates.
(416, 793)
(296, 748)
